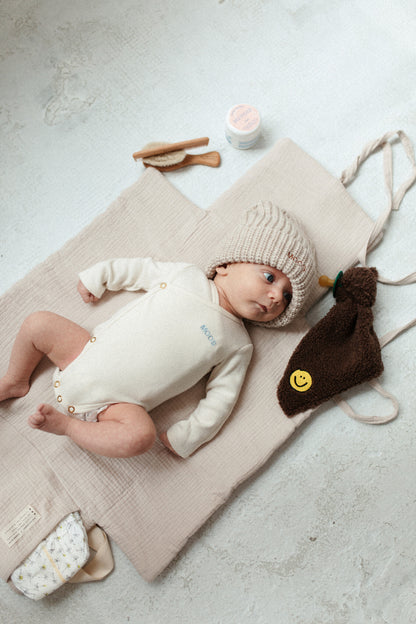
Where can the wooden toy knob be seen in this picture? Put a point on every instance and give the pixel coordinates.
(326, 281)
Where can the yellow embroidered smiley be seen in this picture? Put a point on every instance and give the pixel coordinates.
(300, 380)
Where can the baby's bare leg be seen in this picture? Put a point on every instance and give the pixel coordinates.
(42, 333)
(122, 430)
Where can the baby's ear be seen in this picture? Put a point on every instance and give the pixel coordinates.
(222, 270)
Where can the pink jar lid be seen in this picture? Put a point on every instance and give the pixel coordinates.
(243, 118)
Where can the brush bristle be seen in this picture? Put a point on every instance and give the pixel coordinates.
(164, 160)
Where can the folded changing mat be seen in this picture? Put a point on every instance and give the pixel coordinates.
(150, 505)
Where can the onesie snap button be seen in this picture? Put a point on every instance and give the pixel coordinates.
(57, 384)
(93, 339)
(71, 409)
(59, 398)
(163, 285)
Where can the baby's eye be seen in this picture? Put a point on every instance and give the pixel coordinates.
(269, 277)
(288, 297)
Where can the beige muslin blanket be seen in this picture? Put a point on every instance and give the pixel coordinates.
(151, 505)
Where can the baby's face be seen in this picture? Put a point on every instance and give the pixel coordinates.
(255, 292)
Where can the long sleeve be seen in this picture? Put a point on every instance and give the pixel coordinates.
(223, 388)
(125, 274)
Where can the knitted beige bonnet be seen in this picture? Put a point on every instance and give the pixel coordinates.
(269, 235)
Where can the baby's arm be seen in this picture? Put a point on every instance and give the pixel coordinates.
(223, 388)
(123, 274)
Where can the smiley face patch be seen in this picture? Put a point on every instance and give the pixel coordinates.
(300, 380)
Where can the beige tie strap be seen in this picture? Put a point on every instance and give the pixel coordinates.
(393, 201)
(370, 420)
(377, 420)
(395, 332)
(101, 564)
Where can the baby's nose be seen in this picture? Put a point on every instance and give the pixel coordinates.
(275, 293)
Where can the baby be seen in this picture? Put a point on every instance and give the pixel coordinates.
(187, 324)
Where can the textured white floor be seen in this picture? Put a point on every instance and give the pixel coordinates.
(326, 533)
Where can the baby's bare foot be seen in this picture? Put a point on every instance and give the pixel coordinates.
(12, 389)
(49, 419)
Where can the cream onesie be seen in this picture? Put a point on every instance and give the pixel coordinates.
(158, 346)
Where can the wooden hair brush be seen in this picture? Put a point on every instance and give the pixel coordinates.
(170, 156)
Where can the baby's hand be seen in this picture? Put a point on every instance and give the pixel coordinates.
(85, 293)
(164, 439)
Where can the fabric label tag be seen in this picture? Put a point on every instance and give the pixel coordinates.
(17, 527)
